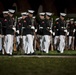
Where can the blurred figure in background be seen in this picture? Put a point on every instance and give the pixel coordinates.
(71, 29)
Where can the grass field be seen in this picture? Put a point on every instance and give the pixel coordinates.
(67, 52)
(10, 65)
(37, 66)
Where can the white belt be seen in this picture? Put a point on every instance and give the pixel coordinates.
(41, 27)
(23, 27)
(65, 31)
(62, 27)
(32, 27)
(57, 29)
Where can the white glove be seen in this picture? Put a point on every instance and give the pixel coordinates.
(50, 31)
(74, 30)
(41, 27)
(14, 29)
(50, 27)
(35, 30)
(53, 33)
(57, 29)
(47, 27)
(17, 31)
(65, 31)
(23, 27)
(32, 27)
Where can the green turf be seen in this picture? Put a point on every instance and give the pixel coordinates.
(37, 66)
(66, 52)
(37, 52)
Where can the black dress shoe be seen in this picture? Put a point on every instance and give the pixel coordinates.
(33, 54)
(8, 54)
(58, 51)
(43, 51)
(28, 54)
(25, 54)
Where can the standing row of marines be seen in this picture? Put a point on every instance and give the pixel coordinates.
(32, 29)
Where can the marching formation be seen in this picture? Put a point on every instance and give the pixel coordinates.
(30, 33)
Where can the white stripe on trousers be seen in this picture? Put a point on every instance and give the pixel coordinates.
(42, 43)
(0, 44)
(9, 44)
(56, 39)
(46, 43)
(30, 43)
(62, 43)
(24, 44)
(70, 40)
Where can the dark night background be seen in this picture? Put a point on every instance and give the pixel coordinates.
(55, 6)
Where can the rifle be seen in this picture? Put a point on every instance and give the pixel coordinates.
(14, 44)
(33, 22)
(66, 37)
(52, 48)
(73, 39)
